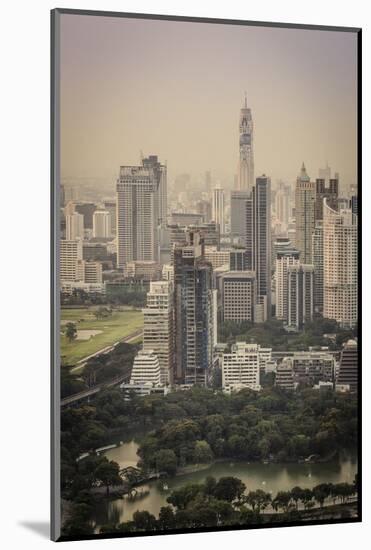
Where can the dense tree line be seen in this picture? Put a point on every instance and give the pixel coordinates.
(223, 502)
(198, 426)
(99, 369)
(273, 335)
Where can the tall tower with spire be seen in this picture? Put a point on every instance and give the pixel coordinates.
(246, 167)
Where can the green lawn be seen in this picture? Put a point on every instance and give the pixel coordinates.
(114, 328)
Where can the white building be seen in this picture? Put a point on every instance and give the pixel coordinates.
(158, 330)
(101, 224)
(216, 257)
(241, 367)
(70, 253)
(284, 260)
(340, 259)
(146, 368)
(74, 226)
(137, 214)
(89, 271)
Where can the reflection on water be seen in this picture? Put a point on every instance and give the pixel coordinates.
(270, 477)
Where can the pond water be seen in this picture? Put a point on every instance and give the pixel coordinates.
(269, 477)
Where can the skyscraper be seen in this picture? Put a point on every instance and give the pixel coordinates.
(158, 331)
(262, 242)
(238, 213)
(340, 260)
(304, 214)
(74, 226)
(300, 295)
(101, 224)
(317, 259)
(160, 171)
(193, 311)
(330, 193)
(246, 163)
(218, 207)
(284, 259)
(137, 214)
(238, 296)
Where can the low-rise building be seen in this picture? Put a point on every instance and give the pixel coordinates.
(241, 366)
(146, 368)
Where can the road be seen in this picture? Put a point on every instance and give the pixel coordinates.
(86, 394)
(80, 364)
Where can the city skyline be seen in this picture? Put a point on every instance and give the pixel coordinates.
(310, 114)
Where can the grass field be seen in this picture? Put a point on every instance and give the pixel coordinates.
(114, 328)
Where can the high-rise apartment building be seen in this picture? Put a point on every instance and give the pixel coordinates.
(101, 224)
(300, 295)
(193, 311)
(304, 215)
(218, 207)
(238, 290)
(137, 214)
(70, 254)
(158, 331)
(340, 260)
(246, 164)
(74, 226)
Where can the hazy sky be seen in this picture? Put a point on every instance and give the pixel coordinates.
(175, 89)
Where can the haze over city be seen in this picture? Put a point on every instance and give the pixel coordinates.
(176, 88)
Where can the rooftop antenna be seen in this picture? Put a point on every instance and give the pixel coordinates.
(245, 99)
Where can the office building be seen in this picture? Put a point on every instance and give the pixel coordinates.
(304, 215)
(238, 259)
(146, 368)
(160, 172)
(300, 295)
(285, 376)
(89, 272)
(70, 253)
(348, 370)
(218, 207)
(137, 214)
(193, 311)
(158, 329)
(110, 206)
(216, 257)
(340, 262)
(74, 226)
(286, 256)
(322, 192)
(262, 242)
(101, 224)
(238, 213)
(203, 208)
(87, 209)
(317, 259)
(238, 296)
(241, 367)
